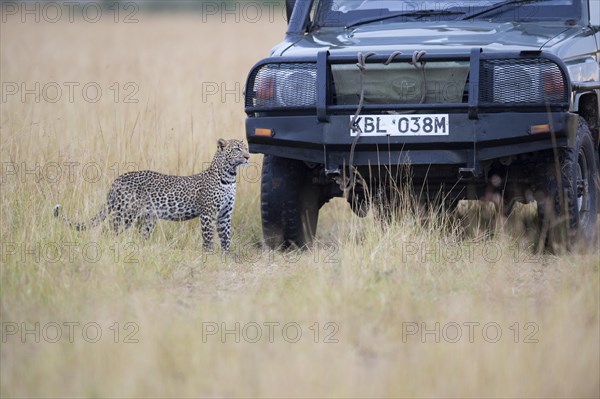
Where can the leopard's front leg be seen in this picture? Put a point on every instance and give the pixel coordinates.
(224, 222)
(207, 225)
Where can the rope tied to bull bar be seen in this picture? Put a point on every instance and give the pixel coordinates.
(417, 63)
(362, 66)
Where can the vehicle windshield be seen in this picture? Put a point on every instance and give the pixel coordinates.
(352, 13)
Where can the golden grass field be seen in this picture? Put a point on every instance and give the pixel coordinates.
(367, 289)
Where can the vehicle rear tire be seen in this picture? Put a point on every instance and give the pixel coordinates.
(568, 199)
(290, 203)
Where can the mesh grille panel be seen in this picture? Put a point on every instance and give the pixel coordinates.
(400, 83)
(517, 81)
(283, 85)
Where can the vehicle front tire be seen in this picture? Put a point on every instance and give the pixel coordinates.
(290, 203)
(568, 199)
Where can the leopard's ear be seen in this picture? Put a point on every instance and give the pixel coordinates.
(222, 143)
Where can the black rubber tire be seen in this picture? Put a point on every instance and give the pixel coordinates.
(290, 203)
(568, 199)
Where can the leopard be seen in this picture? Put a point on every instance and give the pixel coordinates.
(143, 197)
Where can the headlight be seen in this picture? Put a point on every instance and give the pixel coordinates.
(522, 81)
(291, 85)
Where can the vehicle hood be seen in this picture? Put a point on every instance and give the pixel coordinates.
(442, 37)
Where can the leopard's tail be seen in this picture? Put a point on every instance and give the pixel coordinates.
(93, 222)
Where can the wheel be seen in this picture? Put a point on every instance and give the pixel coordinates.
(290, 203)
(568, 199)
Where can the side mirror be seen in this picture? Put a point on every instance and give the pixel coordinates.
(289, 7)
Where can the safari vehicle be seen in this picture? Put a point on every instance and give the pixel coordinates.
(478, 97)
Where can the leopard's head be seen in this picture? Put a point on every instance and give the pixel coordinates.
(233, 152)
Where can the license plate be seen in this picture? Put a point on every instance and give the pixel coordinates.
(403, 125)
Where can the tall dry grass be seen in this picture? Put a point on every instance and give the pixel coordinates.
(373, 286)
